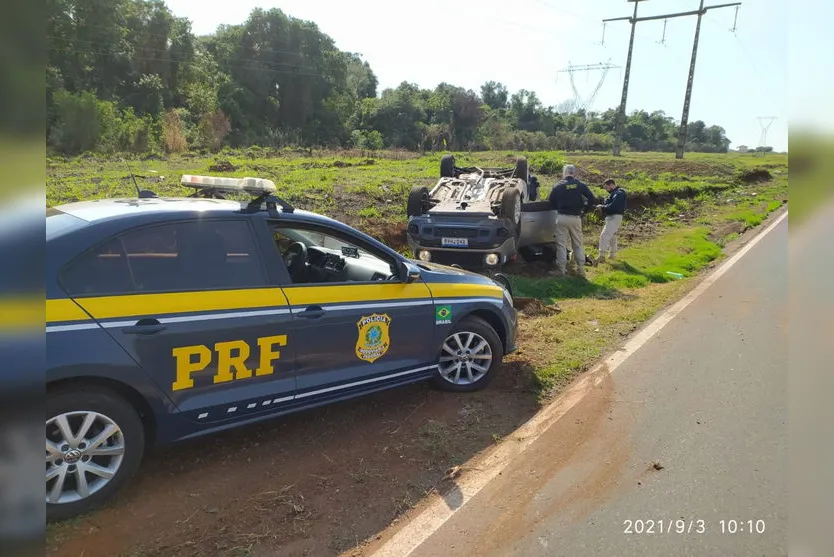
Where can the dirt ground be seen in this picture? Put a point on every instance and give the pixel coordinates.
(316, 483)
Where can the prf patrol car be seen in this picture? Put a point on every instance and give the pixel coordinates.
(171, 318)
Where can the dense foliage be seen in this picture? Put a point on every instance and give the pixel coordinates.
(127, 75)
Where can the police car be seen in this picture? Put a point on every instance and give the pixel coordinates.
(171, 318)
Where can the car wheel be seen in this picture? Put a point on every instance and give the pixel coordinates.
(521, 169)
(511, 207)
(447, 166)
(94, 444)
(418, 201)
(469, 357)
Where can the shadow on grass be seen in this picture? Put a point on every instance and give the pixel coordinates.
(650, 275)
(561, 288)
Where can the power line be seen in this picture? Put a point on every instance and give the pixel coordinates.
(700, 12)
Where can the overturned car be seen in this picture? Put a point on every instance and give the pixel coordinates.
(480, 218)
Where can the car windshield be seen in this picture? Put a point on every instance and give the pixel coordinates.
(311, 238)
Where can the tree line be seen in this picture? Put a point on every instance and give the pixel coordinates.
(128, 75)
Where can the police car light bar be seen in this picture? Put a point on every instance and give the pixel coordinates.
(253, 186)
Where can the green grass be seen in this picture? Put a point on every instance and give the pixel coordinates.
(319, 181)
(691, 204)
(620, 295)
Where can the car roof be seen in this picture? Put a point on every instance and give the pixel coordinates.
(101, 209)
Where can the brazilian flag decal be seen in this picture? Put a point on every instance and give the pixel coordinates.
(443, 315)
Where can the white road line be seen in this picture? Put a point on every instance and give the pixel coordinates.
(484, 469)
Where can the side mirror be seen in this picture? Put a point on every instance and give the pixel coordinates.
(408, 272)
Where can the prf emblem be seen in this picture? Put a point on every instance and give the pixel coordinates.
(374, 338)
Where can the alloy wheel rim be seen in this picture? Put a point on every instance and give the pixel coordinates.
(84, 451)
(465, 358)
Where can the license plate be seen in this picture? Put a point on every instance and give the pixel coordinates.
(455, 242)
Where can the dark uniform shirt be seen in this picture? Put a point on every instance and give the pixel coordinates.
(616, 202)
(571, 197)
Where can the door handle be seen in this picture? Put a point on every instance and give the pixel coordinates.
(312, 312)
(144, 327)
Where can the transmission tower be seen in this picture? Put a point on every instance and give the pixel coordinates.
(764, 122)
(581, 103)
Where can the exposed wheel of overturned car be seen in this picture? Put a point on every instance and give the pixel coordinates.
(447, 166)
(469, 357)
(511, 207)
(418, 201)
(521, 169)
(94, 443)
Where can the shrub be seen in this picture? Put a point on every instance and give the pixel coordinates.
(214, 126)
(365, 139)
(173, 133)
(77, 123)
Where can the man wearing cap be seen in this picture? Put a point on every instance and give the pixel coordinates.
(570, 198)
(613, 210)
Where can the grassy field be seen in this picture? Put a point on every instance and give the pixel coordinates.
(681, 212)
(377, 457)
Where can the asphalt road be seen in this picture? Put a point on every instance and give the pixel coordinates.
(705, 400)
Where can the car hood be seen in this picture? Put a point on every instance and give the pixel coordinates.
(433, 272)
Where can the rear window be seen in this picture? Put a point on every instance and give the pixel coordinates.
(59, 223)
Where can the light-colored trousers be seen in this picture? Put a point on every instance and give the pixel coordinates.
(608, 236)
(569, 227)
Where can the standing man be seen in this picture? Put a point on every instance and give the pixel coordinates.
(570, 198)
(613, 210)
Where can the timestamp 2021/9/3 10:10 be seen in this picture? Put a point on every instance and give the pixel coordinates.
(692, 526)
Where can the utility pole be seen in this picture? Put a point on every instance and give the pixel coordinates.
(688, 96)
(684, 120)
(620, 123)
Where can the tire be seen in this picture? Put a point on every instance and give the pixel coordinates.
(418, 201)
(511, 207)
(521, 169)
(474, 330)
(447, 166)
(111, 410)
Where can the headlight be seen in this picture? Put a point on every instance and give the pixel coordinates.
(492, 259)
(425, 255)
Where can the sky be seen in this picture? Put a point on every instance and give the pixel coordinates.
(739, 76)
